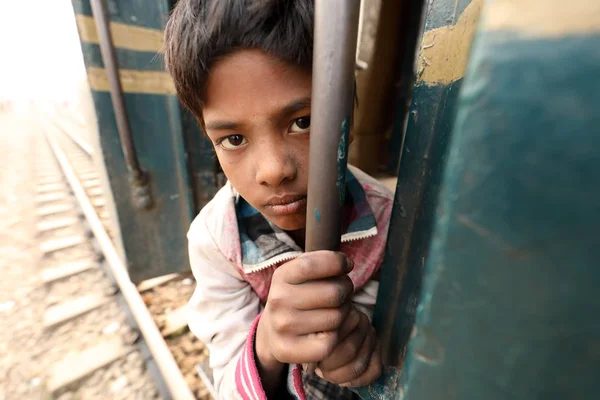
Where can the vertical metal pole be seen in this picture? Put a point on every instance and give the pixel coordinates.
(138, 179)
(334, 58)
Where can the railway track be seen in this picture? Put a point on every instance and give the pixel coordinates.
(112, 339)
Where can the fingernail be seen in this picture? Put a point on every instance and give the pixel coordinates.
(350, 264)
(318, 372)
(345, 384)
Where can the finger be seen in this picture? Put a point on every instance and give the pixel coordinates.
(356, 367)
(372, 373)
(352, 322)
(311, 348)
(310, 321)
(325, 293)
(346, 351)
(316, 265)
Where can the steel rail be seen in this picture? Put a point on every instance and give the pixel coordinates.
(176, 384)
(78, 141)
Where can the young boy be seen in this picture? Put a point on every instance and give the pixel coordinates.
(262, 306)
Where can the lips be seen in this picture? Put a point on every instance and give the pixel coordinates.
(287, 204)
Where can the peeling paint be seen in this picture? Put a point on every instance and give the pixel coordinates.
(445, 51)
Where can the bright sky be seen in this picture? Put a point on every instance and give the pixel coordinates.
(40, 54)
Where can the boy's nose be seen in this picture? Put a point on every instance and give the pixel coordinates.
(274, 168)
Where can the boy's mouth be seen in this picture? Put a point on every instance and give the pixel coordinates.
(286, 204)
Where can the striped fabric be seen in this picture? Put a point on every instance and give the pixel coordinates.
(300, 386)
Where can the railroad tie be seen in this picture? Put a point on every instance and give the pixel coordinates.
(50, 196)
(154, 282)
(51, 225)
(98, 202)
(76, 367)
(65, 270)
(96, 191)
(53, 245)
(50, 187)
(88, 175)
(61, 313)
(90, 183)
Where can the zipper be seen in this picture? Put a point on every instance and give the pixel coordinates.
(285, 257)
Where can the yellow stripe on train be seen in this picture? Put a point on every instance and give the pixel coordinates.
(544, 18)
(445, 51)
(133, 81)
(124, 36)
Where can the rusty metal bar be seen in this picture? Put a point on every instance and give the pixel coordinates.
(138, 178)
(334, 60)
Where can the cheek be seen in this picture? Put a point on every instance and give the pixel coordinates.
(300, 154)
(236, 169)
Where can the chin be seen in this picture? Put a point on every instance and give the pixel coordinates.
(290, 222)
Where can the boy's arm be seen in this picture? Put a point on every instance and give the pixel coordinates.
(223, 314)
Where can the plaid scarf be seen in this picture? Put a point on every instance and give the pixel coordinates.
(263, 244)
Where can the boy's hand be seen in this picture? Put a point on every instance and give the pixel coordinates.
(308, 303)
(356, 360)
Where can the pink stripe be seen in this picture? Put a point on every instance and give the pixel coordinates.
(239, 383)
(297, 378)
(252, 370)
(249, 355)
(247, 378)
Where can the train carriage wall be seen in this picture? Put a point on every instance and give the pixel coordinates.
(170, 147)
(489, 288)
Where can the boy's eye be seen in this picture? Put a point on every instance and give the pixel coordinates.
(301, 124)
(232, 142)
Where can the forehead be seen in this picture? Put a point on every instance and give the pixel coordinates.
(250, 83)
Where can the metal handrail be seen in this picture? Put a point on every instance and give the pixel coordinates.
(138, 178)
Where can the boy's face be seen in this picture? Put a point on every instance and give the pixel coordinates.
(257, 114)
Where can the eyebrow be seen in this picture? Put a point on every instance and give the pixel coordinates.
(289, 109)
(222, 125)
(295, 106)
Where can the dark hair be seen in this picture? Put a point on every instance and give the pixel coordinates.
(199, 32)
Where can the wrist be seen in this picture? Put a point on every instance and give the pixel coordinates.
(271, 371)
(265, 359)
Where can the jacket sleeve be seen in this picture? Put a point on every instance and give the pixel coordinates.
(223, 313)
(364, 299)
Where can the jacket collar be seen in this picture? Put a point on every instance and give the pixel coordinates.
(263, 244)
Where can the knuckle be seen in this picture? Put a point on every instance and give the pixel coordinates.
(277, 274)
(281, 323)
(281, 352)
(335, 319)
(333, 294)
(351, 347)
(306, 265)
(275, 301)
(326, 345)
